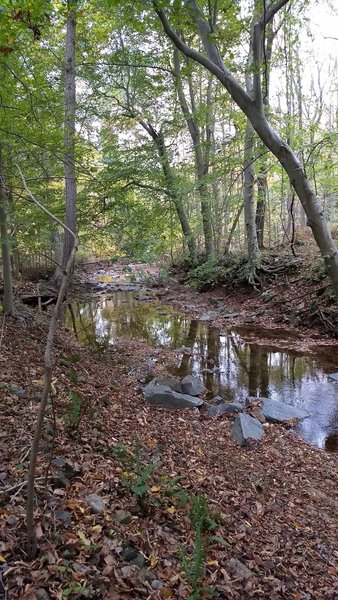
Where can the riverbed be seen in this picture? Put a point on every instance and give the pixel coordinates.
(231, 366)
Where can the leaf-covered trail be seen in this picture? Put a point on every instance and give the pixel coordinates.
(275, 504)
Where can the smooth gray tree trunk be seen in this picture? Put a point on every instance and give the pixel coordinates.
(8, 302)
(69, 141)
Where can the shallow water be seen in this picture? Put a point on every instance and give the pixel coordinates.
(229, 366)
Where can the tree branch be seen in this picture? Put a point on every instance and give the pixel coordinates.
(213, 63)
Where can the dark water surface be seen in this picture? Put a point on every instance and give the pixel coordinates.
(229, 366)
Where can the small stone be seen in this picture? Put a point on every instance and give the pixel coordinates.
(246, 428)
(64, 516)
(124, 517)
(146, 575)
(42, 594)
(217, 400)
(96, 503)
(128, 553)
(171, 382)
(193, 386)
(227, 407)
(156, 584)
(238, 570)
(20, 393)
(333, 376)
(139, 561)
(163, 396)
(183, 350)
(197, 427)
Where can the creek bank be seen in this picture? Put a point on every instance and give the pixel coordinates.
(270, 503)
(246, 427)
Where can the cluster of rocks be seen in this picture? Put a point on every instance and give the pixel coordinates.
(172, 393)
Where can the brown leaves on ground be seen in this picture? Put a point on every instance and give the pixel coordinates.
(276, 502)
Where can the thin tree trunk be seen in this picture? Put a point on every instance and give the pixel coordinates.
(8, 302)
(248, 200)
(69, 139)
(172, 187)
(201, 157)
(48, 364)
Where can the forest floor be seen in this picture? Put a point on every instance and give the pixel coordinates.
(271, 530)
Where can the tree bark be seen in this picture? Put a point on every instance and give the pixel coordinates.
(201, 157)
(172, 187)
(69, 140)
(8, 302)
(253, 109)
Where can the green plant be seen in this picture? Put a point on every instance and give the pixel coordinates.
(139, 469)
(194, 566)
(75, 410)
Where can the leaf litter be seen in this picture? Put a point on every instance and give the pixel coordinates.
(273, 506)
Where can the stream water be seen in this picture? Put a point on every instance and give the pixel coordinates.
(229, 366)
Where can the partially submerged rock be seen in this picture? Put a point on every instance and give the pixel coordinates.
(227, 407)
(246, 428)
(163, 396)
(192, 385)
(333, 376)
(279, 412)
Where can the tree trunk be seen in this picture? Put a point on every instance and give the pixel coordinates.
(262, 190)
(69, 140)
(253, 109)
(172, 187)
(248, 200)
(8, 303)
(201, 157)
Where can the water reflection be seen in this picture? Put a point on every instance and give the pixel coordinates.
(229, 366)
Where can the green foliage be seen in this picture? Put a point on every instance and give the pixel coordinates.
(194, 566)
(75, 410)
(141, 476)
(205, 276)
(139, 468)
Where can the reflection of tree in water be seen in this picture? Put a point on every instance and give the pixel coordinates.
(331, 443)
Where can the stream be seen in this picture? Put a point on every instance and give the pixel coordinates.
(229, 365)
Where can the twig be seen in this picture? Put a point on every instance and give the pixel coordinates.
(21, 485)
(2, 329)
(53, 439)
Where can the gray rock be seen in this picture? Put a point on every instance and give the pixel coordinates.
(333, 376)
(146, 575)
(42, 594)
(209, 316)
(64, 516)
(139, 561)
(217, 400)
(171, 382)
(238, 570)
(128, 553)
(183, 350)
(229, 315)
(20, 393)
(228, 407)
(156, 584)
(278, 412)
(124, 517)
(246, 428)
(163, 396)
(96, 503)
(192, 385)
